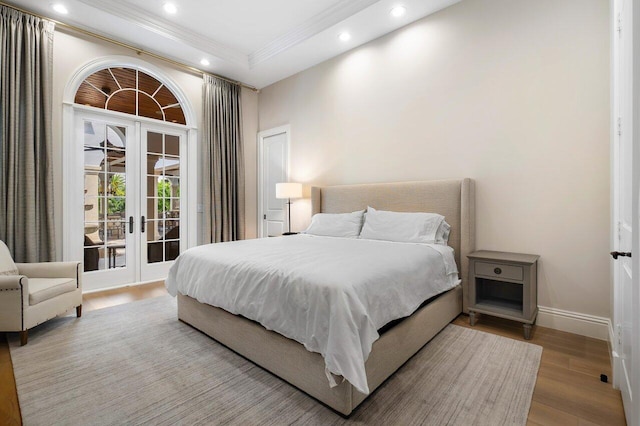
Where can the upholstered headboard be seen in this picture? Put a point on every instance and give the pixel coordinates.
(454, 199)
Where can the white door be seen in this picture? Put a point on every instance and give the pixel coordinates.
(105, 201)
(161, 188)
(626, 216)
(273, 167)
(128, 191)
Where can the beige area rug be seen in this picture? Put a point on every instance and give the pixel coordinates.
(137, 364)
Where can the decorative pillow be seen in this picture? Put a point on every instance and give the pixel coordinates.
(7, 266)
(425, 228)
(347, 225)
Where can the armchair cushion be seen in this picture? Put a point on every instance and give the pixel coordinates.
(41, 289)
(7, 266)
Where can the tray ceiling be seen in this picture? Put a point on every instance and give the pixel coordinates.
(254, 41)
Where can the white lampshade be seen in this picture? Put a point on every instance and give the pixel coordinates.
(288, 190)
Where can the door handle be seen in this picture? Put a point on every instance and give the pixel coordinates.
(142, 223)
(615, 254)
(131, 224)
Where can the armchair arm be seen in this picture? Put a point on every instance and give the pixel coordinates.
(50, 269)
(10, 282)
(14, 283)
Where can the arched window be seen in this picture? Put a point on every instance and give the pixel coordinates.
(129, 202)
(130, 91)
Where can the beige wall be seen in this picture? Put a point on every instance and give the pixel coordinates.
(513, 93)
(72, 51)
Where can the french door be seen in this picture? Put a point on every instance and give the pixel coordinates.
(129, 205)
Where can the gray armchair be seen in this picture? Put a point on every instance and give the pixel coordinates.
(32, 293)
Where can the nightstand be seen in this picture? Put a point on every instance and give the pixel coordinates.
(504, 285)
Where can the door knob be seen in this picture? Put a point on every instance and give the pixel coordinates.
(615, 254)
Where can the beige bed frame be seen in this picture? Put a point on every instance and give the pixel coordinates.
(289, 360)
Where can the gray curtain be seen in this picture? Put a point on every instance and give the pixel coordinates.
(26, 178)
(223, 171)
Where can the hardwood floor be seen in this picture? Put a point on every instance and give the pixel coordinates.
(568, 389)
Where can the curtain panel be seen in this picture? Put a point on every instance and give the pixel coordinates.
(26, 175)
(223, 168)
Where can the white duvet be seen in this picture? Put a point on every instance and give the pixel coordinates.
(330, 294)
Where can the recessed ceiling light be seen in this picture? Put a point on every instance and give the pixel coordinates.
(205, 62)
(344, 36)
(170, 8)
(60, 8)
(398, 11)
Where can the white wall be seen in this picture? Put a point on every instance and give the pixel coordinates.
(72, 51)
(512, 93)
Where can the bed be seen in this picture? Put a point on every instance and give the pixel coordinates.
(306, 370)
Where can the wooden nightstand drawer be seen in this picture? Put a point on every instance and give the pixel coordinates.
(507, 272)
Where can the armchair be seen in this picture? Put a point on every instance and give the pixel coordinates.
(32, 293)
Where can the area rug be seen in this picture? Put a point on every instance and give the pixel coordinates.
(137, 364)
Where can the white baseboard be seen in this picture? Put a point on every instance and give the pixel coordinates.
(612, 336)
(575, 322)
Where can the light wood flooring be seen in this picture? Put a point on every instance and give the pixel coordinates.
(568, 389)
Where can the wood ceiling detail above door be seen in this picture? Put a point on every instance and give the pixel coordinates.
(130, 91)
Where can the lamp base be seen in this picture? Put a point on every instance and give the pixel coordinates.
(290, 233)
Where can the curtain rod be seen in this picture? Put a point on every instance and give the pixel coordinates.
(139, 51)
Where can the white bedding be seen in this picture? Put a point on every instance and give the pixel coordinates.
(330, 294)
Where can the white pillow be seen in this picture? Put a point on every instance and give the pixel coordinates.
(442, 234)
(347, 225)
(425, 228)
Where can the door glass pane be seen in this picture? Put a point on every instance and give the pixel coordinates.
(172, 167)
(116, 137)
(154, 230)
(94, 159)
(155, 252)
(116, 208)
(152, 209)
(171, 229)
(171, 249)
(115, 161)
(154, 142)
(93, 233)
(116, 256)
(115, 232)
(154, 164)
(172, 145)
(105, 207)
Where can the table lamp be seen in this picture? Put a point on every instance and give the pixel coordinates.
(288, 190)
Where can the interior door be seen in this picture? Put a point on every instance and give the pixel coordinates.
(626, 214)
(162, 224)
(273, 168)
(106, 185)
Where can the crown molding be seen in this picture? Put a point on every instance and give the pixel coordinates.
(320, 22)
(140, 17)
